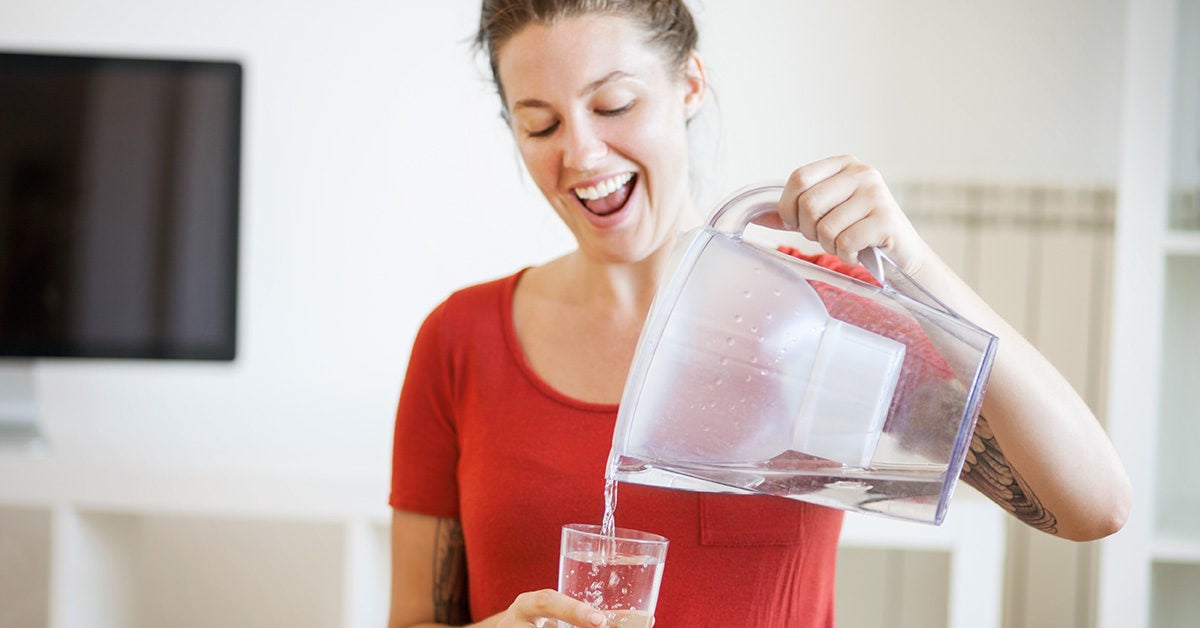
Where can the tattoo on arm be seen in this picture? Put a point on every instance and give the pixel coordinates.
(450, 602)
(989, 471)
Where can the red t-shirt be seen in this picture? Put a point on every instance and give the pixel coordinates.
(481, 438)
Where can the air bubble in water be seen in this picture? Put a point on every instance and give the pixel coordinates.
(746, 294)
(767, 316)
(754, 329)
(737, 318)
(778, 292)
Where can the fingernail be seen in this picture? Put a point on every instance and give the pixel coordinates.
(596, 619)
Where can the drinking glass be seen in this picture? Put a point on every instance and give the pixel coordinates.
(618, 575)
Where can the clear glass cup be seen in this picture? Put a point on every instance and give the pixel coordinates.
(618, 575)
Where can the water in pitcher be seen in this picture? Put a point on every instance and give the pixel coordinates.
(904, 491)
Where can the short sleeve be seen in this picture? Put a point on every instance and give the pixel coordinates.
(425, 449)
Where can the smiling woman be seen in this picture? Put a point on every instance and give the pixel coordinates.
(507, 412)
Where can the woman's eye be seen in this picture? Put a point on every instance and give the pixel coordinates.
(617, 111)
(543, 132)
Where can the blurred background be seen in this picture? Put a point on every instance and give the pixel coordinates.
(1049, 151)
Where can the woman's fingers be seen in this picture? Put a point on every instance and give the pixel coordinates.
(841, 231)
(806, 194)
(533, 608)
(845, 205)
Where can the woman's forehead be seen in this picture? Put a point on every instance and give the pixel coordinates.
(571, 54)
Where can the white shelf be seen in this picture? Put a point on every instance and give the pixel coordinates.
(1180, 551)
(1182, 243)
(46, 482)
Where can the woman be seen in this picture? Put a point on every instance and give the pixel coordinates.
(507, 411)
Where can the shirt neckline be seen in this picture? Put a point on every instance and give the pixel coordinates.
(518, 355)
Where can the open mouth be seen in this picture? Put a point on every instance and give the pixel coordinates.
(609, 196)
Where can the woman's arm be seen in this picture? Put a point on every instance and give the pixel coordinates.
(1038, 450)
(429, 572)
(429, 582)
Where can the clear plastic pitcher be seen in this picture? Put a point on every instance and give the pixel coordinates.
(758, 372)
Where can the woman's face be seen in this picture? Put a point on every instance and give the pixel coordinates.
(600, 120)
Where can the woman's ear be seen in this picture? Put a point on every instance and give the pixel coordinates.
(695, 84)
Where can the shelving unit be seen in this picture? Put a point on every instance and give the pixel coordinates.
(1150, 572)
(129, 548)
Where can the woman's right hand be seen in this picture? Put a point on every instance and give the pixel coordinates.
(535, 608)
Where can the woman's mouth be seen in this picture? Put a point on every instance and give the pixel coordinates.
(608, 196)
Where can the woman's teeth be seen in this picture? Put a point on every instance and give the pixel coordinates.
(603, 188)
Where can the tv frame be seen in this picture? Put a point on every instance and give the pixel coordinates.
(157, 349)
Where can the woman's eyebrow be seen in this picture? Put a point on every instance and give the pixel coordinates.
(607, 78)
(587, 89)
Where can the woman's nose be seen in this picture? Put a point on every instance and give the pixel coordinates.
(584, 148)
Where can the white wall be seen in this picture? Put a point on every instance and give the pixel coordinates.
(378, 177)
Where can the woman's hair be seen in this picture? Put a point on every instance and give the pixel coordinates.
(667, 23)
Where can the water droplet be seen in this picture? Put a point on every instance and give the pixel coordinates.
(746, 294)
(737, 318)
(749, 378)
(778, 292)
(724, 361)
(754, 329)
(754, 359)
(767, 316)
(717, 382)
(729, 341)
(763, 372)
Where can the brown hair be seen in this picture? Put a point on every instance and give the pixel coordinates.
(667, 23)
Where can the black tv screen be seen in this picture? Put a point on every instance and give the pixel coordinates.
(119, 190)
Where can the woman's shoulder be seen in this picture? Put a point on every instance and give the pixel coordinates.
(482, 292)
(470, 302)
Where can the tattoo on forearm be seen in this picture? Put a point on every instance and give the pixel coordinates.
(450, 602)
(989, 471)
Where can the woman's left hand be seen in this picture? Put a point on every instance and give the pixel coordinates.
(844, 205)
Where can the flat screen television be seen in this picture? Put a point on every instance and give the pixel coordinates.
(119, 203)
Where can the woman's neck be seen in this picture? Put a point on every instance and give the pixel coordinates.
(623, 289)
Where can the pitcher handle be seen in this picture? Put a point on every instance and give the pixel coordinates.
(741, 208)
